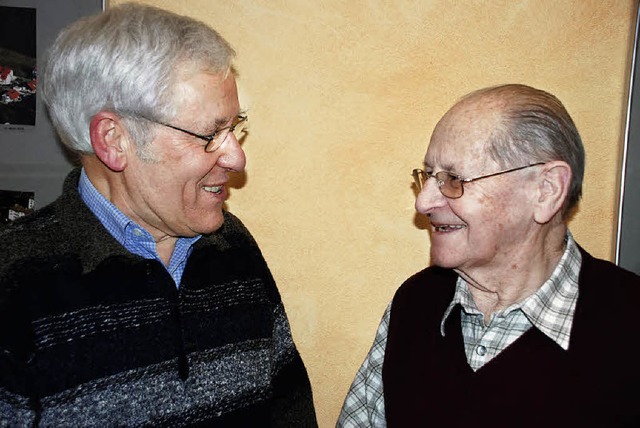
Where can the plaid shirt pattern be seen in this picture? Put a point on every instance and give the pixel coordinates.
(132, 236)
(550, 310)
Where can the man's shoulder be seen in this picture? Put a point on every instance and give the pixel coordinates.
(30, 234)
(431, 277)
(232, 233)
(606, 307)
(431, 285)
(604, 272)
(422, 300)
(607, 292)
(607, 296)
(25, 243)
(47, 226)
(233, 225)
(47, 235)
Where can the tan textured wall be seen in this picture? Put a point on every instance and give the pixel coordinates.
(342, 97)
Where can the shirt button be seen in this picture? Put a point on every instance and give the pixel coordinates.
(481, 350)
(137, 232)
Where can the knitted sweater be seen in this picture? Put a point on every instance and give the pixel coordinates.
(93, 335)
(532, 383)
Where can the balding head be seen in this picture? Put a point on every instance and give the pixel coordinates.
(524, 125)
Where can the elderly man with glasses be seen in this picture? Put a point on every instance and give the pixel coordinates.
(135, 299)
(514, 324)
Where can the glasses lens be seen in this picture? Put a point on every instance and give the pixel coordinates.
(450, 185)
(419, 177)
(238, 127)
(216, 141)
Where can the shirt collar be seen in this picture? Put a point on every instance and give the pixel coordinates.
(109, 215)
(550, 309)
(132, 236)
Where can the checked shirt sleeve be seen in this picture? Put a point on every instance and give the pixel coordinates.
(364, 404)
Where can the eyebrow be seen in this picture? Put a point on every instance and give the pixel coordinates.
(446, 168)
(220, 122)
(223, 121)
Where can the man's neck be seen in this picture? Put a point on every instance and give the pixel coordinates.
(165, 247)
(109, 185)
(499, 287)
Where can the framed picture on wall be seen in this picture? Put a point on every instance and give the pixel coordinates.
(31, 157)
(18, 66)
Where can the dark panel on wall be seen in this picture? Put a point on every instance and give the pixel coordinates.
(31, 158)
(628, 239)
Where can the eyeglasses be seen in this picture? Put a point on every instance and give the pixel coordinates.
(215, 140)
(451, 185)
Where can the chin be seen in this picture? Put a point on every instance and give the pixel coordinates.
(215, 225)
(208, 227)
(444, 261)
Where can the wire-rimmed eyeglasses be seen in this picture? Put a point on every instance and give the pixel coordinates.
(451, 185)
(215, 140)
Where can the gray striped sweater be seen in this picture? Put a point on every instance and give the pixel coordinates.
(91, 335)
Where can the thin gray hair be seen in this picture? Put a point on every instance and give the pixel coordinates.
(535, 127)
(127, 61)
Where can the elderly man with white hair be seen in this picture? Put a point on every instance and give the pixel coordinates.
(514, 324)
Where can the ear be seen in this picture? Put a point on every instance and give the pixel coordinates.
(109, 140)
(553, 187)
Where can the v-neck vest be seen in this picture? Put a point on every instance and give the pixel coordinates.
(533, 382)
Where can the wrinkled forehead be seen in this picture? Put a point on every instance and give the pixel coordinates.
(462, 135)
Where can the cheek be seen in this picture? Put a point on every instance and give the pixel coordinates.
(193, 170)
(196, 174)
(486, 218)
(478, 211)
(201, 164)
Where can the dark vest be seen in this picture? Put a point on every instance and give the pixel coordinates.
(534, 382)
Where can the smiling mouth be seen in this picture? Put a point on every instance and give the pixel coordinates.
(444, 228)
(212, 189)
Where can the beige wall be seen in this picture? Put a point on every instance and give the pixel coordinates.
(342, 97)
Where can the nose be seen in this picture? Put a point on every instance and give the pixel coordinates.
(430, 197)
(231, 156)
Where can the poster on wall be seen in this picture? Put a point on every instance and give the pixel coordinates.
(18, 66)
(32, 159)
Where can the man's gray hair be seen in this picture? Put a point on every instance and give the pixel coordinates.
(535, 127)
(125, 60)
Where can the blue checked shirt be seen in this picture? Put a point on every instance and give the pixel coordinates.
(132, 236)
(550, 310)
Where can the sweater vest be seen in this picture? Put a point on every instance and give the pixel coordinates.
(533, 382)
